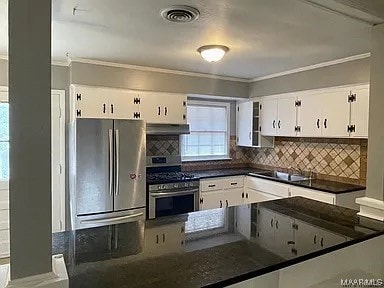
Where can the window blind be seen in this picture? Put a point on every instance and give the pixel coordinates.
(209, 132)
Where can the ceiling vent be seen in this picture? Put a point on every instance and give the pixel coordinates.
(180, 14)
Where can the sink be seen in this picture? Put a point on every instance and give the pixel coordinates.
(282, 176)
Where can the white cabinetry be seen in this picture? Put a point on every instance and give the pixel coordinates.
(165, 239)
(221, 192)
(334, 112)
(360, 112)
(94, 102)
(248, 125)
(164, 108)
(278, 115)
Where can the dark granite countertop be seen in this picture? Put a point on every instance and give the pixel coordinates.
(316, 184)
(126, 255)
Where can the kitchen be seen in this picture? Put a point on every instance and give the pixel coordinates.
(302, 143)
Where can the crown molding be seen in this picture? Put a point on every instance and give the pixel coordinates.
(65, 63)
(153, 69)
(311, 67)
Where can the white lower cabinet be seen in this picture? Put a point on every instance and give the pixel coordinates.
(288, 237)
(275, 233)
(310, 238)
(165, 239)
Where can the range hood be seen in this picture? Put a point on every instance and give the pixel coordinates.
(167, 129)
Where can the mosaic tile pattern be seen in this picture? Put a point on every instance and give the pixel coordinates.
(166, 145)
(334, 157)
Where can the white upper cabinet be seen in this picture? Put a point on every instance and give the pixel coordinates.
(164, 108)
(286, 116)
(335, 108)
(268, 117)
(278, 116)
(248, 125)
(95, 102)
(309, 119)
(244, 123)
(108, 103)
(359, 111)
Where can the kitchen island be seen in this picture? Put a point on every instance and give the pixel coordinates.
(176, 252)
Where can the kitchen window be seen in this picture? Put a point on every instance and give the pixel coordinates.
(4, 140)
(209, 127)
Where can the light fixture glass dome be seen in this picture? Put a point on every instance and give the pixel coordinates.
(213, 53)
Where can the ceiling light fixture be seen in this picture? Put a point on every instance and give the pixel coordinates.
(213, 53)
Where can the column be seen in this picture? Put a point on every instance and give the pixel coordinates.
(373, 205)
(30, 137)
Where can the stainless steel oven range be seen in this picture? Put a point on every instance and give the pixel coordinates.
(170, 191)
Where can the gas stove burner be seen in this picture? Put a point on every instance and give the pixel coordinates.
(171, 176)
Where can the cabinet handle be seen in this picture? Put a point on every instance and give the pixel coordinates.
(272, 222)
(315, 239)
(234, 183)
(325, 123)
(274, 124)
(318, 123)
(211, 185)
(277, 224)
(221, 204)
(157, 239)
(165, 111)
(294, 251)
(112, 108)
(246, 195)
(290, 242)
(226, 201)
(322, 242)
(242, 195)
(158, 110)
(104, 108)
(278, 124)
(163, 238)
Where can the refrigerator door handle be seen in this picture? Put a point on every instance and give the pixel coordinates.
(109, 220)
(117, 161)
(110, 167)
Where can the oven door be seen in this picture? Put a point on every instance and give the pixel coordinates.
(172, 202)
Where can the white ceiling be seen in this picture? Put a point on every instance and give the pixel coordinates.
(264, 36)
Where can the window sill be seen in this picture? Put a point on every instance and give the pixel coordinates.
(201, 159)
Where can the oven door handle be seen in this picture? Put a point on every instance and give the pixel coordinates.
(166, 194)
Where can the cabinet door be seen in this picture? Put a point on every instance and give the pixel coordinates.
(265, 235)
(284, 236)
(233, 197)
(286, 116)
(335, 113)
(121, 105)
(244, 123)
(268, 117)
(174, 108)
(306, 238)
(254, 196)
(313, 194)
(91, 103)
(360, 112)
(309, 115)
(243, 220)
(211, 200)
(328, 239)
(151, 108)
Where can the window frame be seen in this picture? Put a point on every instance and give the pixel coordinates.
(4, 185)
(203, 103)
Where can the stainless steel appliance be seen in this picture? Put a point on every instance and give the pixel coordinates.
(108, 180)
(170, 191)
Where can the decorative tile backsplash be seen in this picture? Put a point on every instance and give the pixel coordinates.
(342, 158)
(162, 145)
(334, 159)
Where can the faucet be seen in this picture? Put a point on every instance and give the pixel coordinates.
(300, 171)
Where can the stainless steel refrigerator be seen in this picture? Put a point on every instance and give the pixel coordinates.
(107, 172)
